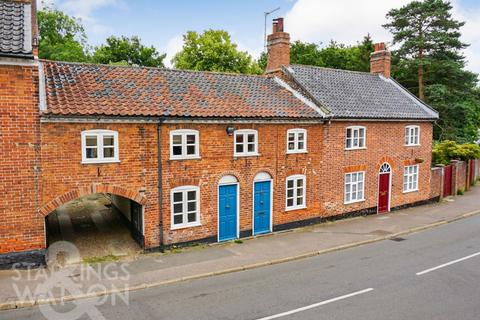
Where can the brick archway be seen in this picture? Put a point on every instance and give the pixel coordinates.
(93, 188)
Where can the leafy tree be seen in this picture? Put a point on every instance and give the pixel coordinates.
(335, 55)
(427, 34)
(123, 50)
(448, 150)
(213, 50)
(262, 61)
(306, 53)
(429, 63)
(61, 36)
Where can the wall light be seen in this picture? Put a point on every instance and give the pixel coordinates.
(230, 130)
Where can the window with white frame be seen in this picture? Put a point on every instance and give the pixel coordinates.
(184, 144)
(99, 146)
(412, 135)
(355, 138)
(246, 143)
(296, 141)
(354, 187)
(410, 178)
(185, 202)
(295, 192)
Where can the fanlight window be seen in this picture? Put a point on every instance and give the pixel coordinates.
(385, 168)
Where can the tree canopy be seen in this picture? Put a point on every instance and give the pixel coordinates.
(334, 55)
(61, 36)
(427, 34)
(213, 50)
(130, 51)
(430, 64)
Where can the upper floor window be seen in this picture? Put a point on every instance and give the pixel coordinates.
(355, 138)
(99, 146)
(295, 192)
(184, 144)
(354, 187)
(296, 141)
(185, 203)
(246, 142)
(410, 178)
(412, 135)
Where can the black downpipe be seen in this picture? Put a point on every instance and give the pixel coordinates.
(160, 189)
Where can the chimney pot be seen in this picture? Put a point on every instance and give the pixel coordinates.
(279, 24)
(379, 46)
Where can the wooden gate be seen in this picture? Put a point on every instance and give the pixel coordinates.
(447, 181)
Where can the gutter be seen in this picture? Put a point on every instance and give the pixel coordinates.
(159, 182)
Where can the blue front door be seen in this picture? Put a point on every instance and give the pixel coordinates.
(227, 215)
(261, 207)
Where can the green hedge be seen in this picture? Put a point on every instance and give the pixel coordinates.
(445, 151)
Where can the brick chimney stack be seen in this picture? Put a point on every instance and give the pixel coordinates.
(278, 45)
(380, 60)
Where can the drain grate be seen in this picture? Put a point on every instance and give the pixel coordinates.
(397, 239)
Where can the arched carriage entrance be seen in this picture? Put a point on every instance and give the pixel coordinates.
(99, 220)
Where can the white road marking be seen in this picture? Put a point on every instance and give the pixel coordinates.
(447, 264)
(315, 305)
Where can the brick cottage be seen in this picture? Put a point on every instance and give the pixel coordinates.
(201, 156)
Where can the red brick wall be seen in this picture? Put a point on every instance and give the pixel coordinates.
(20, 227)
(216, 151)
(436, 182)
(324, 166)
(385, 141)
(461, 176)
(62, 170)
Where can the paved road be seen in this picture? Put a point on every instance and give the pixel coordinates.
(434, 274)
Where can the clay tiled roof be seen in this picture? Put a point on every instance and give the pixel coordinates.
(88, 89)
(354, 95)
(15, 29)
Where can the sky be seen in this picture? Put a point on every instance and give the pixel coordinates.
(162, 23)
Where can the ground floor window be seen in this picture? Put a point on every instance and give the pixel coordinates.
(354, 187)
(410, 178)
(185, 206)
(295, 197)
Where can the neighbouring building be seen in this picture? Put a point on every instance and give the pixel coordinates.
(201, 156)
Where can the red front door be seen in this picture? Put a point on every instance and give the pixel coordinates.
(383, 192)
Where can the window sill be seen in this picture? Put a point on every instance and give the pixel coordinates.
(185, 158)
(350, 149)
(99, 161)
(185, 226)
(355, 201)
(411, 145)
(297, 152)
(295, 208)
(246, 155)
(410, 191)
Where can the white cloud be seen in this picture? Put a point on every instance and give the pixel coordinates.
(347, 21)
(470, 34)
(173, 46)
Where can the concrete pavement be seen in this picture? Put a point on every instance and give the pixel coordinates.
(159, 269)
(377, 281)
